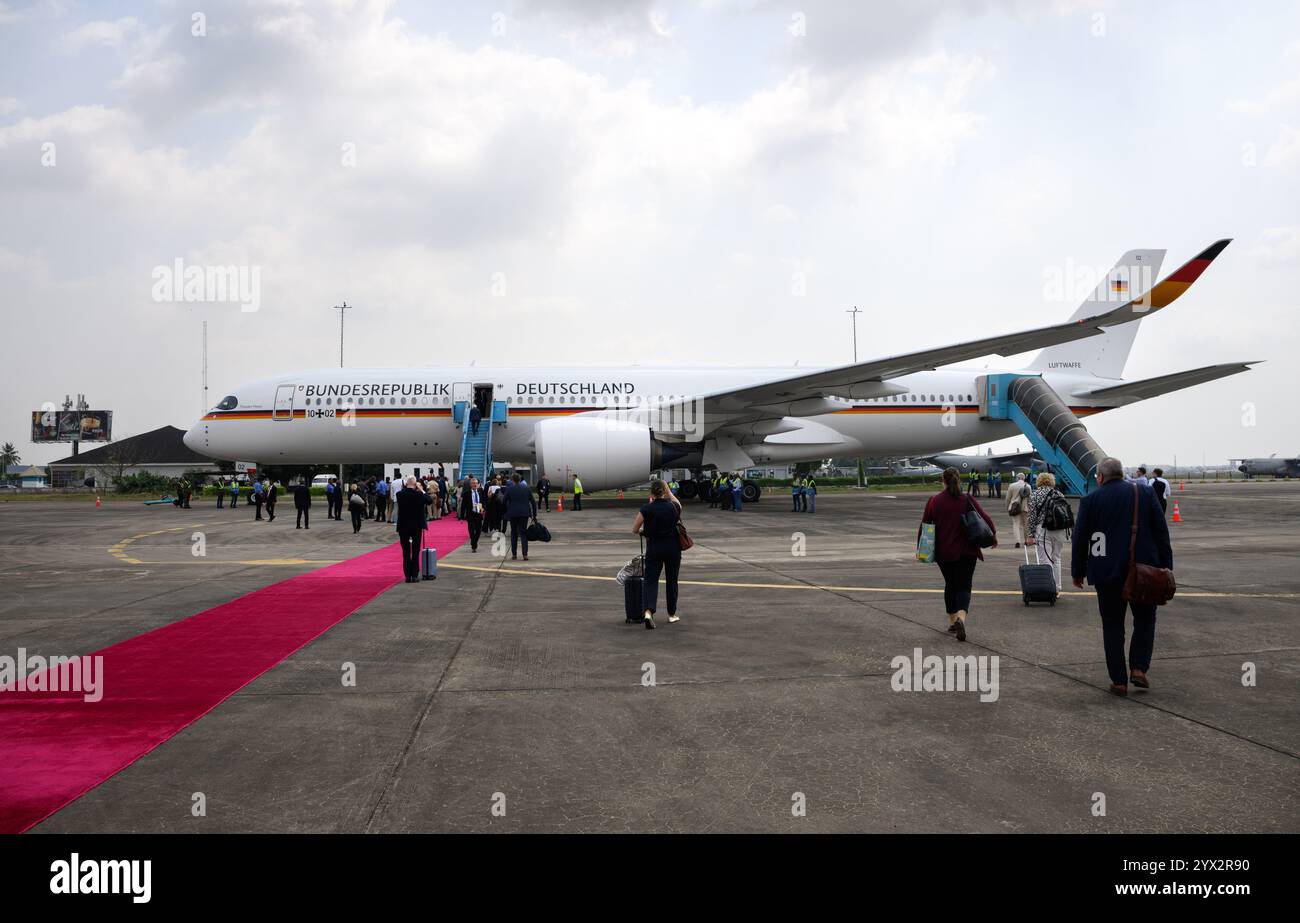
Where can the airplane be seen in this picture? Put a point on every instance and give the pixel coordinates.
(1008, 461)
(612, 426)
(1278, 467)
(905, 466)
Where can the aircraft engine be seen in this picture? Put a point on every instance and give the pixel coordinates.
(604, 452)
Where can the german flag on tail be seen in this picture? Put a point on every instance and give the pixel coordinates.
(1177, 282)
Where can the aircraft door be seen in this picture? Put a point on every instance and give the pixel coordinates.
(461, 391)
(283, 408)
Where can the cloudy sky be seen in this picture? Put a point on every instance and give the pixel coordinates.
(608, 182)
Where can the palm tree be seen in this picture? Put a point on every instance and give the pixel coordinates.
(8, 456)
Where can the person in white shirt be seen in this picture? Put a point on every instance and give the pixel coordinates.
(1018, 508)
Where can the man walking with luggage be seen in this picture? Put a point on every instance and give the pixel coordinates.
(520, 507)
(1119, 522)
(410, 527)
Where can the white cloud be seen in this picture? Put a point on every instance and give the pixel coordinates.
(101, 32)
(1278, 246)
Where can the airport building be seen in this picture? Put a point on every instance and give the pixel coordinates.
(161, 451)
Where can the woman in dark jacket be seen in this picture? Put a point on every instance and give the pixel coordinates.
(954, 554)
(657, 521)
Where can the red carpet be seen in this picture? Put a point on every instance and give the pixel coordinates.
(55, 746)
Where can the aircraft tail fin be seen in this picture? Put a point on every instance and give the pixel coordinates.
(1105, 356)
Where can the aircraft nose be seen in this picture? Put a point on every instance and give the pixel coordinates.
(193, 438)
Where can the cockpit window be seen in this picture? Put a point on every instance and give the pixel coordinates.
(229, 402)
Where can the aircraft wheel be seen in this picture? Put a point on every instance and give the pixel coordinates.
(750, 492)
(687, 490)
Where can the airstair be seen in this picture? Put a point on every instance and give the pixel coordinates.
(476, 448)
(1056, 433)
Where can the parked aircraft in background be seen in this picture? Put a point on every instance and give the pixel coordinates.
(1277, 467)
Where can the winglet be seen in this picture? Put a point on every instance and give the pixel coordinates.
(1173, 285)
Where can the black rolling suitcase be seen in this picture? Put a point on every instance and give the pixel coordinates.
(630, 575)
(1037, 581)
(634, 599)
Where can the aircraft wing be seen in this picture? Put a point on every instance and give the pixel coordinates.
(1130, 391)
(863, 379)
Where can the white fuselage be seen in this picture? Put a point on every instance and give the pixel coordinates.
(371, 415)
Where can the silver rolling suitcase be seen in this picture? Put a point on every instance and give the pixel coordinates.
(429, 564)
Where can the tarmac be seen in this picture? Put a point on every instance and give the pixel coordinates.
(509, 696)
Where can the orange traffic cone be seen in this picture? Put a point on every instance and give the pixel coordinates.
(1177, 516)
(98, 502)
(1180, 485)
(559, 504)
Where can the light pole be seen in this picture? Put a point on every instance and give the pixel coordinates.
(854, 312)
(341, 308)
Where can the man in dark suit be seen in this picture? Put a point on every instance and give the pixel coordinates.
(272, 495)
(475, 416)
(520, 507)
(544, 492)
(1102, 533)
(302, 503)
(473, 502)
(411, 524)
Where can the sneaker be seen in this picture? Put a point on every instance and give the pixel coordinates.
(674, 618)
(649, 619)
(961, 629)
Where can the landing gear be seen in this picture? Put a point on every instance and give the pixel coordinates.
(750, 492)
(688, 490)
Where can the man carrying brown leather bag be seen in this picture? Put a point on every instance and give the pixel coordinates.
(1121, 546)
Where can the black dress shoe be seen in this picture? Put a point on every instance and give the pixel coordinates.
(961, 629)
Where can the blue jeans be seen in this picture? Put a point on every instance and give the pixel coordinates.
(735, 500)
(812, 500)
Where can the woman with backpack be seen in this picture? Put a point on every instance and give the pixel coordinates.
(954, 551)
(1050, 519)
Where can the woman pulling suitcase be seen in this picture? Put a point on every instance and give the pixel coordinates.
(657, 522)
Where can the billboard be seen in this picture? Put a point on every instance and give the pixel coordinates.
(72, 425)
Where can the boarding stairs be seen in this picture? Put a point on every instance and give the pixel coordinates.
(1056, 433)
(476, 449)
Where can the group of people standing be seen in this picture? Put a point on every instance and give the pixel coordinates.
(726, 492)
(994, 482)
(803, 490)
(1128, 516)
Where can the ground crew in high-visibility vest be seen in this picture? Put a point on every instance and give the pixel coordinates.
(577, 492)
(737, 485)
(810, 494)
(673, 485)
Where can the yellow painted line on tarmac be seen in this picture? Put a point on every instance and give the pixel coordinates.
(518, 572)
